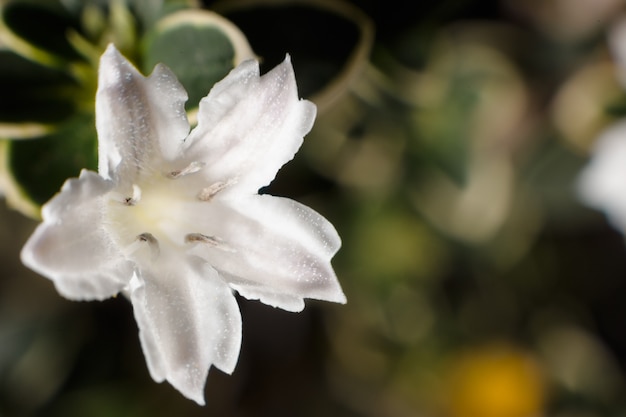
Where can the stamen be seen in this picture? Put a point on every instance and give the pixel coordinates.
(207, 194)
(199, 237)
(152, 243)
(209, 240)
(131, 201)
(192, 168)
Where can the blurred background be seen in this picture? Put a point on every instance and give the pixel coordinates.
(449, 140)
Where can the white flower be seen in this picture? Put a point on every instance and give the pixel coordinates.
(602, 183)
(174, 220)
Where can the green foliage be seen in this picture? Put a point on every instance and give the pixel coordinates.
(199, 55)
(43, 164)
(48, 72)
(32, 92)
(43, 24)
(439, 160)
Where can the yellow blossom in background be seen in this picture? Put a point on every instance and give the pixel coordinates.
(496, 381)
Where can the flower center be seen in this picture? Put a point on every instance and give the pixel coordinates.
(159, 212)
(155, 208)
(156, 212)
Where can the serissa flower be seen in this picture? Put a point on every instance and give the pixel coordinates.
(602, 181)
(173, 218)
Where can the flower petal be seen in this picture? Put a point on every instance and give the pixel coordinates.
(250, 126)
(139, 120)
(188, 320)
(271, 248)
(72, 247)
(601, 184)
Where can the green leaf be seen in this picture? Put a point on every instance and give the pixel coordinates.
(32, 92)
(198, 46)
(43, 24)
(40, 166)
(329, 41)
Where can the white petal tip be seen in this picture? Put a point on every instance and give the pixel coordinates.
(199, 400)
(193, 390)
(26, 255)
(110, 48)
(197, 397)
(341, 299)
(114, 69)
(111, 53)
(337, 297)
